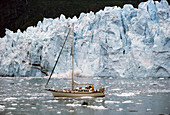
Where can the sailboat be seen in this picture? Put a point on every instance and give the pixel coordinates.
(87, 91)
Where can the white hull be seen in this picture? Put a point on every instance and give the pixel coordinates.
(76, 94)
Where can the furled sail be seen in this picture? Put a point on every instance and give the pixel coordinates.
(78, 83)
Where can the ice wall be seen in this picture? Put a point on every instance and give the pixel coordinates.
(119, 42)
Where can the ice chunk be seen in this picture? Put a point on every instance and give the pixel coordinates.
(112, 102)
(73, 105)
(97, 107)
(125, 94)
(128, 101)
(2, 107)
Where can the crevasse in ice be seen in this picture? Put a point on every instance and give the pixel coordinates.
(119, 42)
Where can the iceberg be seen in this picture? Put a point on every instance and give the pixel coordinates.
(119, 42)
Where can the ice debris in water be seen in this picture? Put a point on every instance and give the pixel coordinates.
(97, 107)
(73, 105)
(2, 107)
(58, 112)
(51, 101)
(119, 42)
(120, 109)
(14, 104)
(125, 94)
(10, 98)
(128, 101)
(112, 102)
(11, 108)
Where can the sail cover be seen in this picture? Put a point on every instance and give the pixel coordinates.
(78, 83)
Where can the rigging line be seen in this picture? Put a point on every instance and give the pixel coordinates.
(58, 58)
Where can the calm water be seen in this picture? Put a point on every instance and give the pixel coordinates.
(25, 96)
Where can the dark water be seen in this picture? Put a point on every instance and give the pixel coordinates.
(25, 96)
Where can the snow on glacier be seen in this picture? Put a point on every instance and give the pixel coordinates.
(119, 42)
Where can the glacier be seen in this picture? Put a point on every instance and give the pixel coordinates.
(118, 42)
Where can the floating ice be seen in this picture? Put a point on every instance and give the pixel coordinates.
(33, 108)
(128, 101)
(161, 78)
(117, 89)
(112, 102)
(139, 103)
(97, 107)
(10, 98)
(58, 112)
(11, 108)
(120, 109)
(71, 111)
(148, 109)
(2, 107)
(73, 105)
(127, 42)
(14, 104)
(125, 94)
(51, 101)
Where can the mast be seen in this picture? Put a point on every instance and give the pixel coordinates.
(73, 58)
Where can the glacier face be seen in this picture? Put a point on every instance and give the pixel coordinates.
(127, 42)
